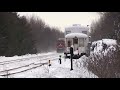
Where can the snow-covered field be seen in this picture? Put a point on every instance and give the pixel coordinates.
(31, 66)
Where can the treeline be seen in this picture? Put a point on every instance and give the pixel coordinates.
(18, 36)
(108, 26)
(15, 37)
(45, 37)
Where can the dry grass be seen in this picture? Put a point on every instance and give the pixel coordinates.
(105, 66)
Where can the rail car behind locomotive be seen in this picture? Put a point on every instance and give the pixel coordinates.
(78, 38)
(60, 45)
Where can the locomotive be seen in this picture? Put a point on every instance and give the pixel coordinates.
(60, 46)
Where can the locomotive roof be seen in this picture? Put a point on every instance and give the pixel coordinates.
(78, 35)
(77, 27)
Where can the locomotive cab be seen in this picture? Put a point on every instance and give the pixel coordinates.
(60, 45)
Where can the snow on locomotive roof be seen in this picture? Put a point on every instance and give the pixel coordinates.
(78, 35)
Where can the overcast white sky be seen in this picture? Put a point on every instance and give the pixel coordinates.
(63, 19)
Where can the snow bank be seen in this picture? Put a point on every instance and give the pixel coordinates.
(106, 41)
(111, 43)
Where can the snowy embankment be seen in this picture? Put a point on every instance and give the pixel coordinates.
(104, 59)
(111, 44)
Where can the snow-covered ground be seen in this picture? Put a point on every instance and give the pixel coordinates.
(29, 66)
(111, 43)
(3, 58)
(57, 70)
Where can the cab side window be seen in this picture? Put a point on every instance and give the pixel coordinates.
(81, 42)
(85, 32)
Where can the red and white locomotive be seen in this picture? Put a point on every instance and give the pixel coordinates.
(60, 46)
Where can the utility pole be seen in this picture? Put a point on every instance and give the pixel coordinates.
(71, 63)
(71, 52)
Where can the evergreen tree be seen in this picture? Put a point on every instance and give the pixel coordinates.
(15, 35)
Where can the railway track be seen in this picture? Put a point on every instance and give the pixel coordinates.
(27, 67)
(23, 59)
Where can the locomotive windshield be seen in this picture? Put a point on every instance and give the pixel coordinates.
(60, 45)
(60, 42)
(75, 40)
